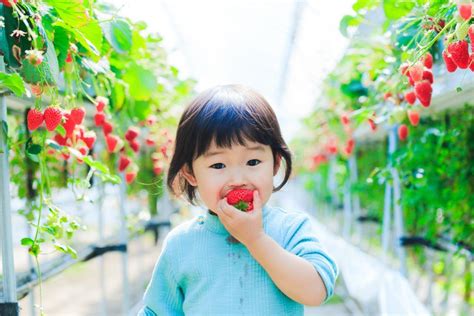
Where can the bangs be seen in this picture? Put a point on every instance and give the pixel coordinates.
(229, 123)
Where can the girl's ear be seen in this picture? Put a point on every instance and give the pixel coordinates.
(188, 175)
(276, 165)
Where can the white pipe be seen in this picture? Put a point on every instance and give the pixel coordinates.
(124, 240)
(6, 243)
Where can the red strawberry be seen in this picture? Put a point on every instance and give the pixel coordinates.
(387, 96)
(402, 132)
(132, 133)
(423, 91)
(465, 10)
(99, 119)
(130, 176)
(8, 3)
(150, 142)
(459, 53)
(107, 128)
(345, 119)
(404, 69)
(101, 103)
(411, 81)
(135, 145)
(413, 117)
(69, 125)
(60, 140)
(416, 72)
(83, 150)
(78, 114)
(52, 117)
(471, 62)
(450, 65)
(410, 97)
(428, 75)
(241, 199)
(34, 119)
(124, 161)
(471, 36)
(164, 151)
(372, 124)
(112, 141)
(428, 60)
(89, 138)
(69, 58)
(157, 170)
(349, 146)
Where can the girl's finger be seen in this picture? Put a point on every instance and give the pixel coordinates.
(227, 209)
(221, 210)
(257, 202)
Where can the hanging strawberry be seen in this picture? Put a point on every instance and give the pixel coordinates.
(459, 52)
(450, 65)
(423, 91)
(402, 132)
(34, 119)
(52, 117)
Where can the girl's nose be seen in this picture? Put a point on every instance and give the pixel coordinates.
(237, 178)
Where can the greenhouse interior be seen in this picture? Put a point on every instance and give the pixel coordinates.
(142, 147)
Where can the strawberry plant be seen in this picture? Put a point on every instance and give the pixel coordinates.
(79, 75)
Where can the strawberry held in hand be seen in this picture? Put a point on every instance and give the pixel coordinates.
(241, 199)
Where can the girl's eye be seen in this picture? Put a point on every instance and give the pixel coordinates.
(218, 165)
(253, 162)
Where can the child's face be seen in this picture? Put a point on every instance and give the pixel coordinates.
(221, 170)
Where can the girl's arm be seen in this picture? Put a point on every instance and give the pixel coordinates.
(293, 275)
(300, 268)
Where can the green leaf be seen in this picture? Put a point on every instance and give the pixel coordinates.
(118, 95)
(96, 165)
(13, 82)
(141, 109)
(89, 36)
(396, 9)
(34, 149)
(61, 43)
(61, 130)
(119, 34)
(142, 82)
(27, 241)
(72, 252)
(348, 21)
(365, 5)
(110, 178)
(60, 247)
(35, 249)
(72, 12)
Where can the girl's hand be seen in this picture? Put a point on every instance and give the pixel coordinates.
(246, 227)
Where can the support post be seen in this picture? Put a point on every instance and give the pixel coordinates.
(9, 303)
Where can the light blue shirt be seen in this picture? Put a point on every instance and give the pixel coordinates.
(203, 271)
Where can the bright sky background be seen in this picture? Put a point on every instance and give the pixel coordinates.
(250, 42)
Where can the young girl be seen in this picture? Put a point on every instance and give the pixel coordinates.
(266, 261)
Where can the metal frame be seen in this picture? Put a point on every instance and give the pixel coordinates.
(8, 303)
